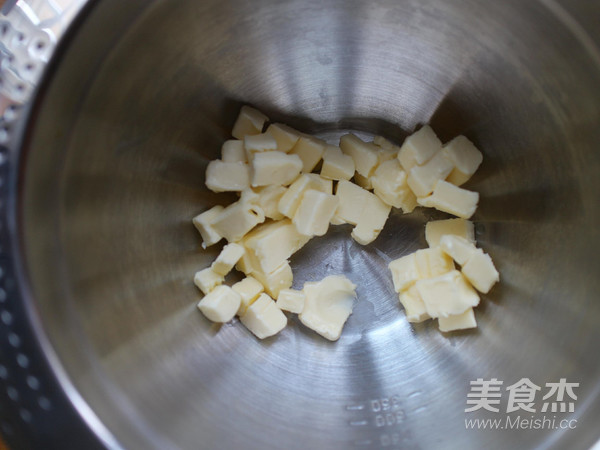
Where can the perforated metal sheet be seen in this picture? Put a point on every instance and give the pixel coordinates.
(34, 412)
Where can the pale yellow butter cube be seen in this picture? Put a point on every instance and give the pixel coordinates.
(364, 154)
(259, 143)
(233, 151)
(352, 201)
(374, 215)
(274, 168)
(480, 271)
(446, 295)
(289, 202)
(310, 150)
(273, 243)
(451, 199)
(363, 234)
(275, 281)
(418, 148)
(387, 149)
(326, 185)
(389, 183)
(414, 308)
(220, 304)
(207, 279)
(459, 248)
(436, 229)
(228, 258)
(457, 178)
(327, 305)
(247, 263)
(204, 224)
(363, 182)
(422, 179)
(285, 136)
(249, 122)
(336, 165)
(227, 176)
(291, 300)
(238, 219)
(382, 142)
(263, 318)
(462, 321)
(249, 289)
(465, 157)
(432, 262)
(314, 213)
(268, 200)
(404, 271)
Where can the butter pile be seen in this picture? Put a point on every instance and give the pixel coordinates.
(293, 186)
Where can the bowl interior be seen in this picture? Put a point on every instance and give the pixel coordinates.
(113, 172)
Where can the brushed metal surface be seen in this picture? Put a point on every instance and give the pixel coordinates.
(113, 171)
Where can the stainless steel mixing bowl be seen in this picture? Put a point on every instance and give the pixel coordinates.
(139, 98)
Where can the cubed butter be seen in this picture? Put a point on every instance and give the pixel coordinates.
(274, 168)
(364, 154)
(387, 149)
(385, 154)
(375, 214)
(249, 122)
(273, 243)
(327, 305)
(274, 282)
(336, 165)
(247, 263)
(462, 321)
(404, 271)
(249, 289)
(432, 262)
(382, 142)
(451, 199)
(418, 148)
(268, 200)
(465, 157)
(204, 224)
(389, 183)
(480, 271)
(233, 151)
(363, 182)
(291, 300)
(352, 201)
(263, 318)
(310, 150)
(289, 202)
(458, 248)
(228, 258)
(314, 213)
(363, 234)
(446, 295)
(414, 308)
(286, 137)
(220, 304)
(422, 179)
(326, 184)
(227, 176)
(235, 221)
(435, 229)
(259, 143)
(207, 279)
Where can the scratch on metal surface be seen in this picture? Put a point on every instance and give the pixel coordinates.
(575, 28)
